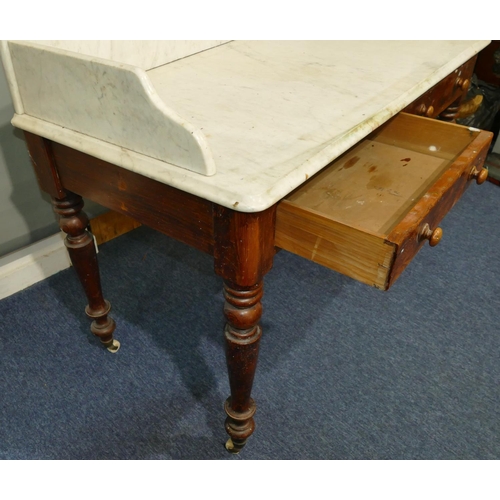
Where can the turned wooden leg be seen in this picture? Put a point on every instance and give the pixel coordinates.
(243, 254)
(451, 112)
(242, 310)
(80, 244)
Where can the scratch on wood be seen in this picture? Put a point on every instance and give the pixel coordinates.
(316, 245)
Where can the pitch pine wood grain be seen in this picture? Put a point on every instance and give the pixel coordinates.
(44, 165)
(372, 186)
(175, 213)
(363, 256)
(110, 225)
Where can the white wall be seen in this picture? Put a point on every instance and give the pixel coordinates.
(496, 146)
(25, 213)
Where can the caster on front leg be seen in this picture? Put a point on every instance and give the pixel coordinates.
(239, 426)
(103, 326)
(115, 345)
(233, 447)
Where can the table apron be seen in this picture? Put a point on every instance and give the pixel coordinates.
(173, 212)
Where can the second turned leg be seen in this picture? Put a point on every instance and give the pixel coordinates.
(80, 244)
(451, 112)
(242, 310)
(243, 254)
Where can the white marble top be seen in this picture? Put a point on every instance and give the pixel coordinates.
(269, 115)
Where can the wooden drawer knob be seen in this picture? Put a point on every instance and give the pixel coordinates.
(434, 237)
(462, 83)
(423, 110)
(479, 175)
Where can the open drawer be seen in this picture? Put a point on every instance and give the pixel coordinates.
(368, 213)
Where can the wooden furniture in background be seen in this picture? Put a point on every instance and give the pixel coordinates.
(488, 66)
(443, 100)
(488, 70)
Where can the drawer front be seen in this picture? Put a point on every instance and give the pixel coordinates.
(408, 235)
(446, 92)
(368, 213)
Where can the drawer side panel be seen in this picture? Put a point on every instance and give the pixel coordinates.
(364, 257)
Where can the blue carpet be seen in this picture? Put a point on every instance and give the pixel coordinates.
(345, 371)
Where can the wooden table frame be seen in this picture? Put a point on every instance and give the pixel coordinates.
(242, 245)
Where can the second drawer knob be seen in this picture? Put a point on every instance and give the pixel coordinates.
(480, 175)
(462, 83)
(423, 110)
(434, 236)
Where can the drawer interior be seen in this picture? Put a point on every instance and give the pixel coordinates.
(362, 215)
(375, 184)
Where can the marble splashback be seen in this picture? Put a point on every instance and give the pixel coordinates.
(113, 102)
(144, 54)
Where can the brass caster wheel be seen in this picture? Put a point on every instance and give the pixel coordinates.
(231, 448)
(114, 346)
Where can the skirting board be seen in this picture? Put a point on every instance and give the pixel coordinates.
(31, 264)
(34, 263)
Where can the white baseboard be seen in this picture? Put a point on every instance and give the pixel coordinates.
(31, 264)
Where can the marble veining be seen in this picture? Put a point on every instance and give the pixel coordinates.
(113, 102)
(268, 114)
(144, 54)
